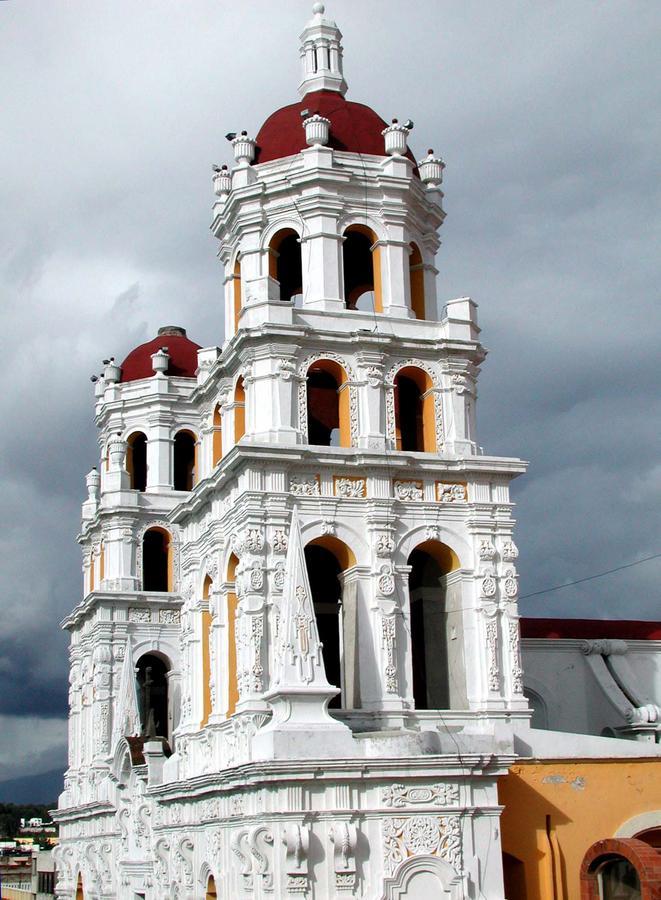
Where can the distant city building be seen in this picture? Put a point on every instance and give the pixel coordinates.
(296, 669)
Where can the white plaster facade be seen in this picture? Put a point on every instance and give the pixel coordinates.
(378, 799)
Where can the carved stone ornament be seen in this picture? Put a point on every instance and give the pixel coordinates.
(492, 650)
(487, 550)
(399, 795)
(408, 490)
(304, 485)
(139, 614)
(384, 545)
(250, 540)
(350, 488)
(488, 586)
(328, 527)
(256, 577)
(374, 376)
(449, 492)
(510, 584)
(421, 835)
(388, 637)
(386, 582)
(303, 396)
(280, 541)
(432, 533)
(286, 370)
(296, 839)
(344, 837)
(279, 576)
(515, 657)
(169, 617)
(510, 551)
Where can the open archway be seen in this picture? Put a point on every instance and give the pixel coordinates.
(417, 282)
(80, 893)
(329, 423)
(152, 687)
(239, 410)
(211, 892)
(185, 451)
(217, 446)
(362, 269)
(206, 652)
(232, 602)
(326, 558)
(435, 622)
(285, 264)
(136, 460)
(236, 293)
(157, 560)
(415, 425)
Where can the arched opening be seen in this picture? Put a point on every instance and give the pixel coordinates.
(185, 451)
(136, 461)
(80, 893)
(217, 445)
(539, 717)
(236, 293)
(514, 876)
(156, 560)
(239, 410)
(651, 836)
(285, 263)
(414, 411)
(434, 624)
(617, 879)
(152, 683)
(206, 652)
(90, 572)
(417, 282)
(328, 405)
(232, 679)
(211, 888)
(326, 558)
(102, 563)
(362, 269)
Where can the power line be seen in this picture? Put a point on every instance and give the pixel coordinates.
(559, 587)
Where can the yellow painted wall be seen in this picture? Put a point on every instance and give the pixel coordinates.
(585, 801)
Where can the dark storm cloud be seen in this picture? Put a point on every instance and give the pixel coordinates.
(548, 120)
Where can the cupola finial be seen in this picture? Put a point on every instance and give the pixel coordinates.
(321, 55)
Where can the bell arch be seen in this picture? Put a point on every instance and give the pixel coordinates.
(361, 263)
(327, 558)
(217, 436)
(423, 421)
(231, 612)
(422, 877)
(435, 619)
(327, 401)
(80, 891)
(157, 560)
(184, 460)
(417, 282)
(239, 409)
(152, 677)
(136, 460)
(207, 587)
(236, 292)
(211, 892)
(285, 263)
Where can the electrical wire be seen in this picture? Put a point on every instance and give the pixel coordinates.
(559, 587)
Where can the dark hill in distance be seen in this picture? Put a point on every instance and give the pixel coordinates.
(42, 788)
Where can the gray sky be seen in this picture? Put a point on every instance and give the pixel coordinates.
(547, 115)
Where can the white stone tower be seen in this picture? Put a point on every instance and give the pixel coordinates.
(295, 669)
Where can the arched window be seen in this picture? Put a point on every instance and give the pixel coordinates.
(102, 563)
(417, 280)
(539, 717)
(156, 560)
(328, 405)
(285, 263)
(184, 460)
(415, 426)
(211, 889)
(232, 683)
(431, 628)
(206, 653)
(152, 684)
(618, 880)
(236, 293)
(136, 460)
(80, 893)
(239, 410)
(217, 447)
(326, 558)
(362, 269)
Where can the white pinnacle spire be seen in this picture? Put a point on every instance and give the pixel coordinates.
(300, 693)
(321, 55)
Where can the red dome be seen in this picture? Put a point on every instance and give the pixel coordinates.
(183, 356)
(354, 127)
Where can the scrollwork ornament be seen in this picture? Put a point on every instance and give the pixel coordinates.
(386, 582)
(510, 584)
(384, 546)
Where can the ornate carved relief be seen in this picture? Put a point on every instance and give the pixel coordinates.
(304, 485)
(260, 841)
(421, 835)
(169, 616)
(510, 551)
(384, 545)
(487, 550)
(390, 398)
(451, 492)
(440, 794)
(139, 614)
(388, 638)
(174, 549)
(344, 837)
(408, 490)
(515, 657)
(296, 839)
(303, 397)
(492, 651)
(510, 585)
(350, 488)
(280, 541)
(386, 581)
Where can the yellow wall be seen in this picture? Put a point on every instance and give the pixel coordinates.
(554, 811)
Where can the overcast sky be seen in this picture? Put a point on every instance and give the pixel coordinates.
(547, 115)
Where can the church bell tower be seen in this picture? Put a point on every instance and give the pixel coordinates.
(295, 669)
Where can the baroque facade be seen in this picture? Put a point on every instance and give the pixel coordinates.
(296, 669)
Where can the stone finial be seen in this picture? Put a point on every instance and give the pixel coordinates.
(93, 483)
(112, 372)
(160, 361)
(317, 130)
(116, 452)
(222, 181)
(431, 169)
(244, 149)
(396, 136)
(321, 55)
